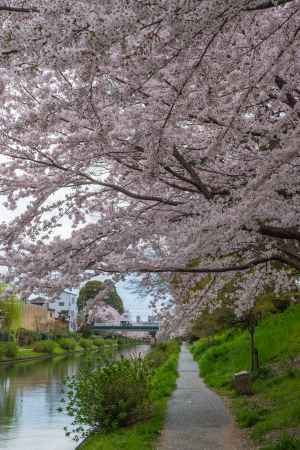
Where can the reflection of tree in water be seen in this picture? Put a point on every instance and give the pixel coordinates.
(8, 402)
(20, 379)
(59, 372)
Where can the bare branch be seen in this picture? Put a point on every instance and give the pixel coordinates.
(266, 4)
(281, 233)
(233, 268)
(18, 10)
(197, 182)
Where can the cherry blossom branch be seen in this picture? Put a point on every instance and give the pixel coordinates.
(18, 10)
(281, 233)
(196, 179)
(233, 268)
(266, 4)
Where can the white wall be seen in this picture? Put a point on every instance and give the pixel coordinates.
(67, 301)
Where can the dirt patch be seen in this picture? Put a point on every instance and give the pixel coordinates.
(235, 438)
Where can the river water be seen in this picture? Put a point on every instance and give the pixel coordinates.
(30, 395)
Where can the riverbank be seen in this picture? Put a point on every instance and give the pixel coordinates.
(30, 401)
(61, 347)
(272, 414)
(144, 435)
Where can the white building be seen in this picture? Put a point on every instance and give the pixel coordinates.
(65, 307)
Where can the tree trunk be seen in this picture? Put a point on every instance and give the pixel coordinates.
(254, 351)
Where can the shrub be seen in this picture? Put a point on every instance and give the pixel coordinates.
(8, 350)
(86, 332)
(6, 336)
(156, 358)
(281, 303)
(2, 351)
(248, 418)
(112, 395)
(164, 380)
(46, 347)
(27, 337)
(99, 342)
(163, 346)
(262, 373)
(286, 442)
(160, 353)
(202, 345)
(85, 343)
(67, 344)
(11, 310)
(11, 350)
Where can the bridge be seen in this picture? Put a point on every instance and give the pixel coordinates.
(150, 327)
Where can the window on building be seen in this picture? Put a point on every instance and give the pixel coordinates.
(61, 304)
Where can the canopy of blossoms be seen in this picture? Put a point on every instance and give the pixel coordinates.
(166, 132)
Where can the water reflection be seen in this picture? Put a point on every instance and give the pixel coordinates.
(30, 394)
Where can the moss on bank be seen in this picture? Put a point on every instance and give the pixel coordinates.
(143, 436)
(272, 414)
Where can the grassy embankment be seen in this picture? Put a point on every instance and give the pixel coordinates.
(272, 414)
(56, 347)
(143, 436)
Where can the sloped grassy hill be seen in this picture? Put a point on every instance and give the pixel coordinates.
(272, 414)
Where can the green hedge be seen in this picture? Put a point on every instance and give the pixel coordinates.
(47, 347)
(85, 343)
(100, 342)
(68, 344)
(8, 350)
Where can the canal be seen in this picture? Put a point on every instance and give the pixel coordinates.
(30, 395)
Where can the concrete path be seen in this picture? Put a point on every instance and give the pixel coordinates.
(197, 418)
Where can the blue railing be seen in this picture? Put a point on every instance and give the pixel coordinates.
(138, 326)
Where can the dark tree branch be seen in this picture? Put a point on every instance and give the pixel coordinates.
(233, 268)
(18, 10)
(131, 194)
(290, 99)
(196, 179)
(91, 180)
(281, 233)
(266, 4)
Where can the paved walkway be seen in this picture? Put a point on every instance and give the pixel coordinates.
(197, 418)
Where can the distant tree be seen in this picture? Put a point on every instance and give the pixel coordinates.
(209, 323)
(11, 313)
(92, 288)
(115, 301)
(223, 316)
(265, 304)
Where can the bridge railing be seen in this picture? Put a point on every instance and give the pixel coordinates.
(126, 324)
(108, 324)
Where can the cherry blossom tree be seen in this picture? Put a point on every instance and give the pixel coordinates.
(166, 132)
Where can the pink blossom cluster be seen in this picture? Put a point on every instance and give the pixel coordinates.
(165, 133)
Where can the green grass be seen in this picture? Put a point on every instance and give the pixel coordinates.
(277, 338)
(137, 437)
(275, 406)
(285, 442)
(29, 352)
(143, 436)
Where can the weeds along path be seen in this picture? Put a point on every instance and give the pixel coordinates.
(197, 418)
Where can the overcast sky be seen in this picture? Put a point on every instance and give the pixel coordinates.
(137, 305)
